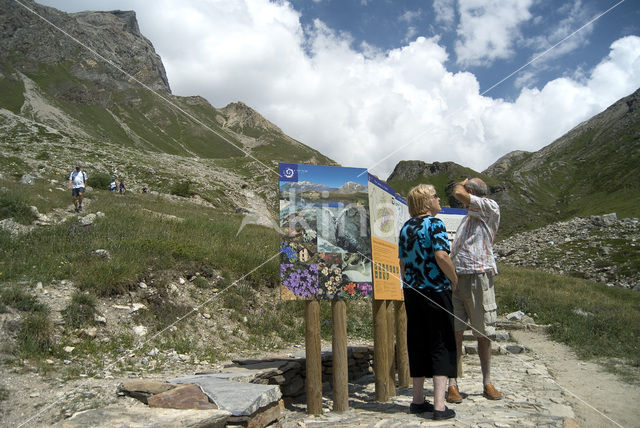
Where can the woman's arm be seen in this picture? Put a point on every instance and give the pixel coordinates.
(444, 262)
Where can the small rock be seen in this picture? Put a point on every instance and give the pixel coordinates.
(103, 253)
(90, 332)
(136, 307)
(69, 349)
(515, 316)
(142, 285)
(140, 330)
(87, 220)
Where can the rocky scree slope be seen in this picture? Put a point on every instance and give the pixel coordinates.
(603, 248)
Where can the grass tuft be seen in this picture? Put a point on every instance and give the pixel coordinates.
(21, 300)
(80, 311)
(13, 205)
(35, 335)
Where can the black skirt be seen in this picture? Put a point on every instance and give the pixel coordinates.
(430, 336)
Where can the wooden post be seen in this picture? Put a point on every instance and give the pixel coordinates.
(339, 356)
(314, 357)
(402, 354)
(391, 348)
(380, 347)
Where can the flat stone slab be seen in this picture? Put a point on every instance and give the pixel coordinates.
(142, 389)
(187, 396)
(239, 398)
(109, 417)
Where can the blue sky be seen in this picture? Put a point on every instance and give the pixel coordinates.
(372, 82)
(392, 24)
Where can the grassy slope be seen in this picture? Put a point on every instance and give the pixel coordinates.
(146, 245)
(143, 244)
(609, 333)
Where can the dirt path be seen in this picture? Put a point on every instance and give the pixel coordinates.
(598, 398)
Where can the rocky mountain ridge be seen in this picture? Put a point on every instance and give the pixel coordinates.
(89, 88)
(113, 35)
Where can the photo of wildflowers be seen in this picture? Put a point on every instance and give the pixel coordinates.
(326, 245)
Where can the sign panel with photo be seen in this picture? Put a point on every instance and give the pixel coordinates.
(325, 252)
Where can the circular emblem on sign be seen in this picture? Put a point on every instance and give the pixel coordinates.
(289, 172)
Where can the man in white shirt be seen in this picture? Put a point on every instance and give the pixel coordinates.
(77, 182)
(472, 255)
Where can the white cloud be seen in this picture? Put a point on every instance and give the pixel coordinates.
(358, 108)
(488, 28)
(445, 12)
(576, 16)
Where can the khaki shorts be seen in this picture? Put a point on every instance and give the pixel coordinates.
(475, 302)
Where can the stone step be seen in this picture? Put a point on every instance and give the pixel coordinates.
(498, 336)
(496, 348)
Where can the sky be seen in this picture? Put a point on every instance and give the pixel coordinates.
(372, 82)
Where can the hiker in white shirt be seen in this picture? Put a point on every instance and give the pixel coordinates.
(474, 301)
(77, 183)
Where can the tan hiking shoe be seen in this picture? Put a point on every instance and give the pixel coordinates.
(453, 396)
(491, 392)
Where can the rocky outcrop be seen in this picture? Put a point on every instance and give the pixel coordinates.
(600, 248)
(413, 169)
(506, 162)
(115, 36)
(240, 116)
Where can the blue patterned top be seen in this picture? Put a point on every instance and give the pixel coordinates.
(420, 238)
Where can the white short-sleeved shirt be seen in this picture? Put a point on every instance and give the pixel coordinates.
(77, 179)
(472, 250)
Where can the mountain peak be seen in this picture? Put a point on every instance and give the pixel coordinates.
(240, 115)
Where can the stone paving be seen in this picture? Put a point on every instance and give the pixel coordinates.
(530, 399)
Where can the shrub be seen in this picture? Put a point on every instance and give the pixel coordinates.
(80, 311)
(12, 205)
(182, 188)
(99, 180)
(35, 336)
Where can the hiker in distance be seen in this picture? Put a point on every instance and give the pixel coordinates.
(475, 299)
(77, 183)
(428, 276)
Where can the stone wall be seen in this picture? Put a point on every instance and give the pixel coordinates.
(290, 373)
